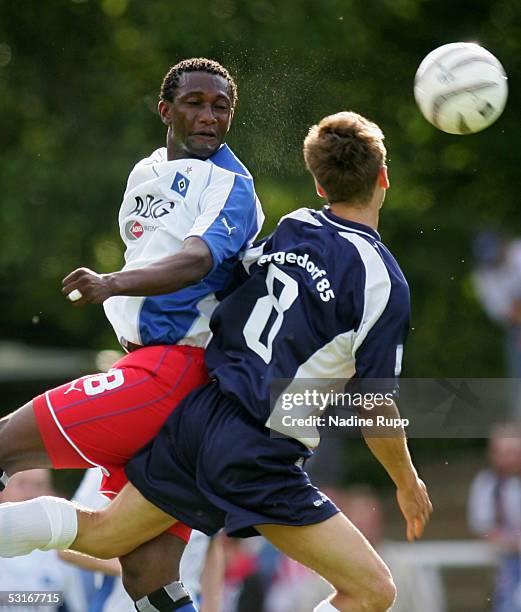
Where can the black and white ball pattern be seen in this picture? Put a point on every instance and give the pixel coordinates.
(461, 88)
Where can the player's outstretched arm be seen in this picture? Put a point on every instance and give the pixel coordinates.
(393, 454)
(53, 523)
(166, 275)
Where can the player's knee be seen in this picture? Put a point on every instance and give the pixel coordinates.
(21, 447)
(140, 580)
(377, 595)
(5, 444)
(132, 582)
(152, 565)
(382, 596)
(3, 426)
(134, 575)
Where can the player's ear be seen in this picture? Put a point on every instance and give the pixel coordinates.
(165, 111)
(383, 178)
(230, 118)
(320, 190)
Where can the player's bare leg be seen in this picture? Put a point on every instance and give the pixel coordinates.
(337, 551)
(125, 524)
(21, 445)
(121, 526)
(55, 523)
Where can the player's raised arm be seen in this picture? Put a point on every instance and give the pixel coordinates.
(166, 275)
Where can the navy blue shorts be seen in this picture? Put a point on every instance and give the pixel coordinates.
(212, 466)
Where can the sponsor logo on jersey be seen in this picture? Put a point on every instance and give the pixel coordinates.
(151, 207)
(134, 229)
(180, 184)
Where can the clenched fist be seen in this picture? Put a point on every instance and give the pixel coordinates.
(84, 286)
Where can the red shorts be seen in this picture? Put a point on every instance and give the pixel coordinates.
(104, 419)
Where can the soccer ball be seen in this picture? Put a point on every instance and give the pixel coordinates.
(461, 88)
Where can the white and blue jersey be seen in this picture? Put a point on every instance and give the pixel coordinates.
(164, 203)
(325, 299)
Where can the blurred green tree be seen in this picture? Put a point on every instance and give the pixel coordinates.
(78, 91)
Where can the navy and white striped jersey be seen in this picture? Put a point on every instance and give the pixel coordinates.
(164, 203)
(324, 299)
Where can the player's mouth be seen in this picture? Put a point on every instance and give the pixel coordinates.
(207, 137)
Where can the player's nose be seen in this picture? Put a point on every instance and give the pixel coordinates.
(206, 114)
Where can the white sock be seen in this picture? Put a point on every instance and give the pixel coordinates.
(43, 522)
(325, 606)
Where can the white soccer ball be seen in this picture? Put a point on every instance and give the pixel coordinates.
(461, 88)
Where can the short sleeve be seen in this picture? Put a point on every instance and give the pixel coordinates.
(229, 216)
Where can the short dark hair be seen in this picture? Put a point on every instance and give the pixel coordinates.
(195, 64)
(345, 152)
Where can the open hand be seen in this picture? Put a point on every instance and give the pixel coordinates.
(416, 507)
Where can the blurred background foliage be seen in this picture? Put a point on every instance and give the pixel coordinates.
(78, 90)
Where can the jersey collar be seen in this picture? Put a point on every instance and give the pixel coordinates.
(344, 224)
(225, 158)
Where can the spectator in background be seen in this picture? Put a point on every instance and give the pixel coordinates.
(245, 583)
(494, 511)
(497, 280)
(38, 571)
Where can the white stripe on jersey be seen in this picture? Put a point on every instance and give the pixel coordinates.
(251, 256)
(197, 334)
(212, 202)
(305, 215)
(377, 286)
(331, 363)
(260, 214)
